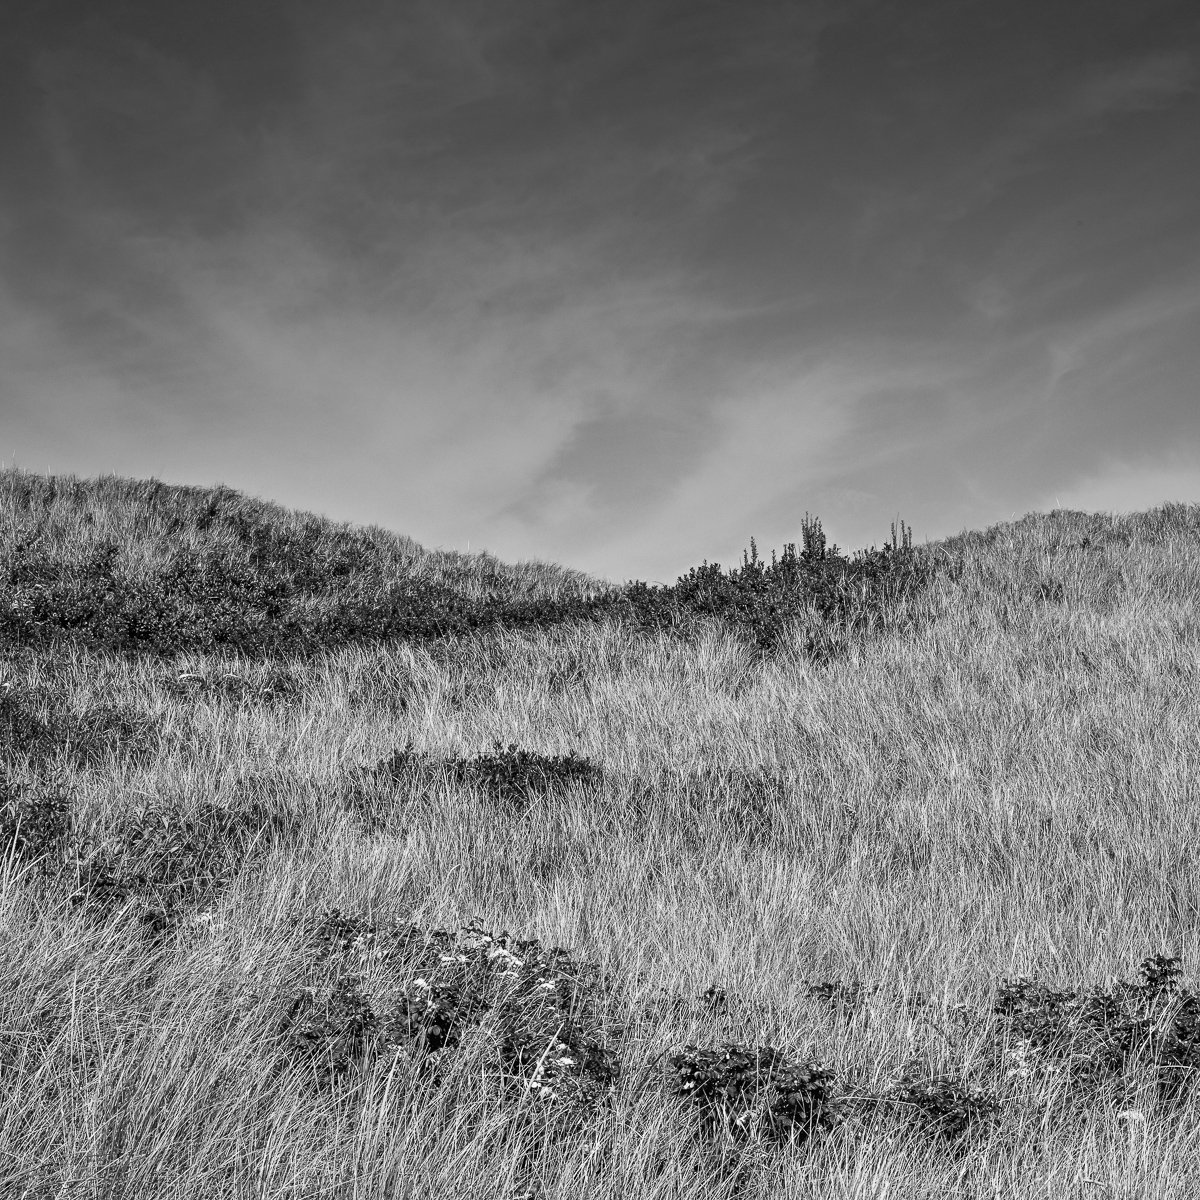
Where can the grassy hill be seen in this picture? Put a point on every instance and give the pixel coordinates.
(339, 867)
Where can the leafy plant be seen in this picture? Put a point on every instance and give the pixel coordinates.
(34, 824)
(262, 583)
(159, 862)
(943, 1105)
(744, 1090)
(516, 777)
(537, 1013)
(1096, 1035)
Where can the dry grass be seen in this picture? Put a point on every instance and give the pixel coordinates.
(1009, 788)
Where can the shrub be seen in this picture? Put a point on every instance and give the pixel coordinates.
(1096, 1035)
(744, 1091)
(537, 1013)
(36, 724)
(943, 1105)
(158, 862)
(515, 777)
(508, 775)
(35, 825)
(815, 588)
(261, 586)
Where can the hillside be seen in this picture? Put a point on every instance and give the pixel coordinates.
(339, 867)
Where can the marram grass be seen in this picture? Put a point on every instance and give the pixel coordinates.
(827, 878)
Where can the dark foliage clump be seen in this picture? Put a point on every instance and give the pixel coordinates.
(745, 1091)
(942, 1105)
(35, 824)
(816, 588)
(159, 863)
(260, 586)
(507, 776)
(36, 724)
(224, 599)
(537, 1013)
(843, 996)
(515, 777)
(24, 731)
(331, 1030)
(404, 763)
(1096, 1035)
(712, 1003)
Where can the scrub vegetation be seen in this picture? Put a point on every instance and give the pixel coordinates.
(334, 867)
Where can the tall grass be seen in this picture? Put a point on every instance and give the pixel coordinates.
(592, 906)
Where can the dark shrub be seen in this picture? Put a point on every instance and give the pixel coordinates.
(540, 1013)
(943, 1105)
(36, 724)
(34, 824)
(1097, 1035)
(515, 777)
(159, 862)
(743, 1090)
(765, 602)
(331, 1030)
(24, 731)
(261, 585)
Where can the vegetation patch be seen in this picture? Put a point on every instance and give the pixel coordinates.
(36, 823)
(1095, 1037)
(816, 589)
(159, 863)
(36, 724)
(261, 586)
(944, 1107)
(508, 776)
(268, 683)
(747, 1091)
(536, 1015)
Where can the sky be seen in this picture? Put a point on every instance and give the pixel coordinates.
(617, 285)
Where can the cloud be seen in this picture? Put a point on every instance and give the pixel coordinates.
(619, 285)
(1119, 485)
(1141, 85)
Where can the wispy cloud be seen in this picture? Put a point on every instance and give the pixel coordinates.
(1140, 85)
(617, 286)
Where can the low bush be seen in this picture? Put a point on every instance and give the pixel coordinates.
(745, 1091)
(36, 824)
(943, 1106)
(538, 1016)
(269, 589)
(158, 863)
(508, 776)
(1095, 1036)
(36, 725)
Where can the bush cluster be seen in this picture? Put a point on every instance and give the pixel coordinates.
(159, 863)
(760, 1093)
(509, 776)
(36, 825)
(766, 601)
(267, 589)
(36, 724)
(1096, 1036)
(537, 1015)
(754, 1090)
(154, 866)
